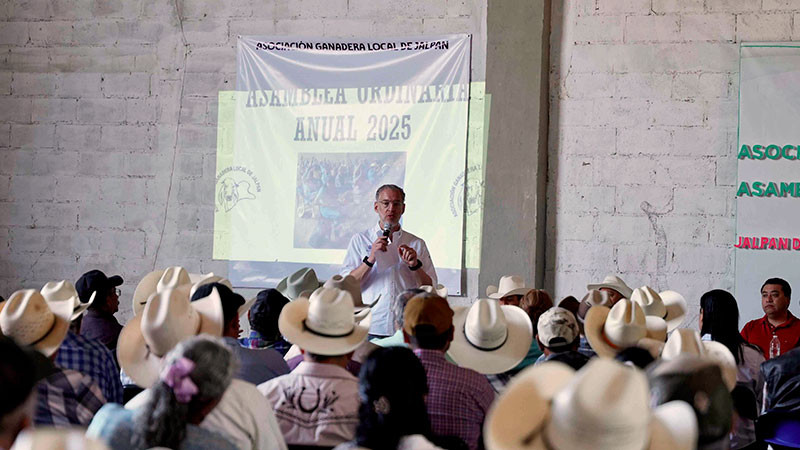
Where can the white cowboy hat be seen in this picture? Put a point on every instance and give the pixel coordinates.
(350, 284)
(685, 341)
(51, 438)
(58, 291)
(592, 298)
(169, 278)
(167, 319)
(490, 338)
(439, 290)
(669, 306)
(145, 288)
(603, 406)
(612, 282)
(509, 285)
(208, 279)
(322, 324)
(623, 325)
(30, 320)
(296, 284)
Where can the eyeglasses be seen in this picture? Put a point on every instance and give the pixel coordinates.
(386, 203)
(117, 292)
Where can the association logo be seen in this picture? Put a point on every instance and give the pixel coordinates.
(473, 192)
(235, 184)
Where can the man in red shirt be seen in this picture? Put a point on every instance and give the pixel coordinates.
(777, 321)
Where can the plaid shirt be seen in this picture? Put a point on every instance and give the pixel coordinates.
(92, 358)
(257, 341)
(458, 398)
(67, 397)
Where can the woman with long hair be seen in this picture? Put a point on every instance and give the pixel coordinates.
(719, 321)
(195, 375)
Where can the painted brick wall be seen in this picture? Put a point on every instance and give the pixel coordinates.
(108, 117)
(644, 99)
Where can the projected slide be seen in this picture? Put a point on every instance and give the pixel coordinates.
(315, 126)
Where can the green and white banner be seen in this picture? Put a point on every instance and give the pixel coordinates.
(767, 241)
(315, 126)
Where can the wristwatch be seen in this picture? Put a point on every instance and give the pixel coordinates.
(416, 266)
(366, 261)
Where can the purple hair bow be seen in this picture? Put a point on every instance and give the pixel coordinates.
(176, 376)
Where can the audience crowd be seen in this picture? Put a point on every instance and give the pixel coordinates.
(619, 369)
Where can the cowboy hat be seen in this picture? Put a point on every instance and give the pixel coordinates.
(169, 278)
(31, 321)
(439, 290)
(668, 306)
(685, 341)
(322, 324)
(605, 405)
(294, 285)
(593, 298)
(55, 291)
(509, 285)
(167, 318)
(61, 438)
(623, 325)
(350, 284)
(490, 338)
(208, 279)
(612, 282)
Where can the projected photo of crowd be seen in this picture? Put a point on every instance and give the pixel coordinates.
(335, 194)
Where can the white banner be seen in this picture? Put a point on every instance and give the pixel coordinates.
(767, 237)
(315, 126)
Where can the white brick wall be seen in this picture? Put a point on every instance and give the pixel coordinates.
(91, 110)
(661, 140)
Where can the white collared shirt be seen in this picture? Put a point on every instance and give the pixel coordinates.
(389, 276)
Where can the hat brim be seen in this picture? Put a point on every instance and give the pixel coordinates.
(625, 291)
(516, 346)
(82, 307)
(115, 281)
(52, 340)
(593, 330)
(283, 289)
(673, 426)
(247, 305)
(722, 357)
(138, 362)
(517, 291)
(290, 324)
(677, 308)
(145, 288)
(361, 313)
(657, 328)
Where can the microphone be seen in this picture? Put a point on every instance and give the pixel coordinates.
(387, 230)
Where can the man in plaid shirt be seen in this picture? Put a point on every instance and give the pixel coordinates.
(92, 358)
(67, 397)
(458, 398)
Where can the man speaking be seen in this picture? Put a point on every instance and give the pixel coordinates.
(387, 260)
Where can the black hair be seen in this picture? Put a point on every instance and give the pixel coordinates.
(390, 186)
(231, 301)
(426, 337)
(721, 321)
(392, 389)
(637, 356)
(265, 312)
(787, 290)
(17, 376)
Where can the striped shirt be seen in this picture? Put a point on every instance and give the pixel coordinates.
(92, 358)
(67, 397)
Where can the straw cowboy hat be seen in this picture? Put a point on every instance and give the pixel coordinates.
(167, 319)
(351, 285)
(28, 319)
(623, 325)
(322, 324)
(592, 298)
(685, 341)
(169, 278)
(612, 282)
(439, 290)
(57, 291)
(509, 285)
(669, 306)
(490, 338)
(296, 284)
(603, 406)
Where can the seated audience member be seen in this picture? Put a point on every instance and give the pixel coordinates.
(664, 311)
(99, 322)
(17, 399)
(776, 294)
(614, 286)
(255, 365)
(263, 318)
(782, 378)
(64, 396)
(603, 406)
(398, 306)
(684, 341)
(559, 338)
(534, 302)
(196, 374)
(623, 325)
(317, 403)
(592, 298)
(87, 356)
(719, 321)
(490, 339)
(697, 381)
(392, 415)
(509, 290)
(458, 398)
(167, 319)
(569, 303)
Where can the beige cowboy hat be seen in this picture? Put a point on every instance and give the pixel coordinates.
(52, 438)
(350, 284)
(612, 282)
(322, 324)
(439, 290)
(298, 283)
(669, 306)
(623, 325)
(58, 291)
(28, 319)
(169, 278)
(684, 341)
(508, 285)
(594, 297)
(167, 318)
(604, 406)
(490, 338)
